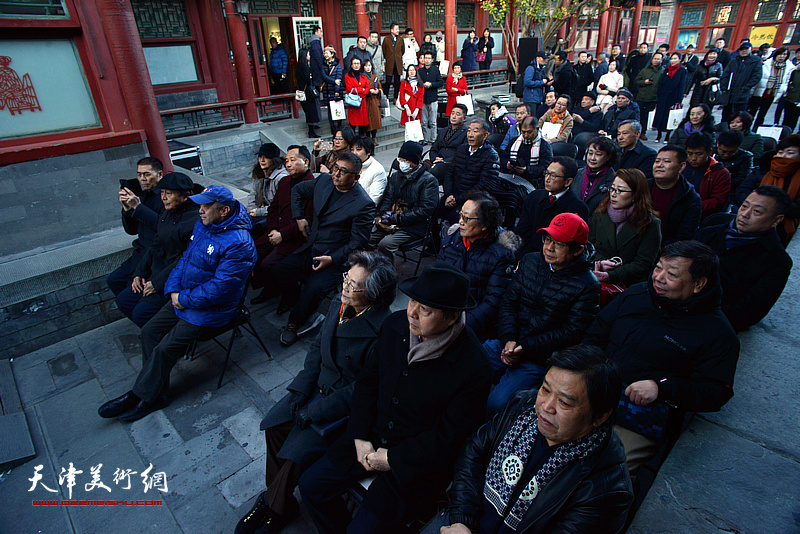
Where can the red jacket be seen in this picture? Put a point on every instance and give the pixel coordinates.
(414, 100)
(454, 89)
(279, 215)
(715, 188)
(357, 116)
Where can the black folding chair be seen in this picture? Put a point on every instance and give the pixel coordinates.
(421, 246)
(565, 149)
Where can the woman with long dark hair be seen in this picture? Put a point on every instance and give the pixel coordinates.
(266, 174)
(484, 54)
(670, 92)
(311, 105)
(775, 76)
(624, 227)
(706, 78)
(468, 51)
(356, 82)
(373, 102)
(697, 119)
(411, 96)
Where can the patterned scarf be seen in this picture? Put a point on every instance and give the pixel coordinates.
(775, 76)
(558, 118)
(450, 133)
(537, 144)
(509, 459)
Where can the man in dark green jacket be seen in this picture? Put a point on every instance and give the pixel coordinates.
(647, 82)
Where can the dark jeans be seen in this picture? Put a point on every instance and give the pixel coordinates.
(296, 268)
(121, 277)
(759, 105)
(165, 339)
(137, 308)
(644, 112)
(393, 79)
(779, 109)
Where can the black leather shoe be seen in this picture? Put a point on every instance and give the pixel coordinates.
(257, 517)
(144, 408)
(118, 406)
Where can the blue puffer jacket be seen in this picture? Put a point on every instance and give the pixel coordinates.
(488, 263)
(533, 82)
(278, 60)
(211, 275)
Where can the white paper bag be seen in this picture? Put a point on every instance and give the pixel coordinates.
(414, 131)
(444, 67)
(551, 130)
(337, 110)
(675, 118)
(467, 101)
(387, 112)
(770, 131)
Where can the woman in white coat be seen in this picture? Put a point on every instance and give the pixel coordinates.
(373, 175)
(775, 74)
(608, 85)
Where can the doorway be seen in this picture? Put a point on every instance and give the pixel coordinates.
(262, 29)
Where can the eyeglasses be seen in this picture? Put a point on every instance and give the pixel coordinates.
(349, 284)
(558, 245)
(615, 191)
(461, 215)
(340, 170)
(548, 174)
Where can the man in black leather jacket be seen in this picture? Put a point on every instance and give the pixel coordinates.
(550, 462)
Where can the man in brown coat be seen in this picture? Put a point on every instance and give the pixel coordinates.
(393, 48)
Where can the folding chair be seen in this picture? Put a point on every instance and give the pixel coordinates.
(420, 245)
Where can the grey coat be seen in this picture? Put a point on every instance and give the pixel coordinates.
(331, 367)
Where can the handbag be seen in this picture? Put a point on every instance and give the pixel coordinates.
(384, 100)
(649, 421)
(414, 131)
(675, 118)
(467, 101)
(337, 110)
(713, 96)
(352, 99)
(480, 56)
(300, 96)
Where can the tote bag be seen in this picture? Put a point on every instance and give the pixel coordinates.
(467, 101)
(675, 118)
(337, 110)
(414, 131)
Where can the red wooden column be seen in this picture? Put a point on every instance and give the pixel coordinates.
(238, 35)
(602, 39)
(219, 61)
(637, 23)
(450, 31)
(362, 19)
(137, 89)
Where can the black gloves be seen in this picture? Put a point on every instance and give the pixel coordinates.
(302, 418)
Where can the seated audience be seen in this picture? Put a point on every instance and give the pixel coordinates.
(624, 227)
(754, 267)
(784, 173)
(343, 215)
(479, 247)
(373, 175)
(752, 142)
(204, 291)
(300, 427)
(140, 215)
(559, 116)
(523, 110)
(593, 180)
(697, 119)
(267, 172)
(409, 201)
(738, 161)
(676, 349)
(551, 462)
(475, 166)
(542, 205)
(710, 178)
(675, 201)
(527, 156)
(443, 150)
(416, 400)
(634, 153)
(548, 104)
(550, 302)
(342, 140)
(623, 110)
(283, 236)
(587, 118)
(145, 296)
(500, 119)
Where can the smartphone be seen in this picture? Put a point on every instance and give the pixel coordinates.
(326, 145)
(514, 163)
(132, 184)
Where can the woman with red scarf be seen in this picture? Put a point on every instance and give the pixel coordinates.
(670, 93)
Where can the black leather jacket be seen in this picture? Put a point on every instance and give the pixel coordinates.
(588, 495)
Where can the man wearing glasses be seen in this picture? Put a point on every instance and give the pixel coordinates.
(542, 206)
(343, 216)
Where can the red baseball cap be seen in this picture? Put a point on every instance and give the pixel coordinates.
(567, 227)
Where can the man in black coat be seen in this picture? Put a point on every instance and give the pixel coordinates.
(754, 267)
(723, 55)
(676, 349)
(633, 153)
(300, 427)
(421, 393)
(563, 80)
(584, 76)
(623, 110)
(140, 218)
(587, 117)
(637, 60)
(358, 51)
(449, 138)
(737, 160)
(551, 462)
(541, 206)
(431, 80)
(343, 215)
(675, 201)
(740, 78)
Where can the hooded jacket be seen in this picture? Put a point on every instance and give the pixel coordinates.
(592, 494)
(211, 276)
(488, 264)
(420, 191)
(683, 217)
(278, 60)
(687, 347)
(714, 188)
(545, 310)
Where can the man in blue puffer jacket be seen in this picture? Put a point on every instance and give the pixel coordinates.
(205, 289)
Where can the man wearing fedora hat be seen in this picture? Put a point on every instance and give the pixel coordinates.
(420, 394)
(142, 299)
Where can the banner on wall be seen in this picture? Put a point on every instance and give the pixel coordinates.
(763, 34)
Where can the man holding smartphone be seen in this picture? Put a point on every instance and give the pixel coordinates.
(140, 215)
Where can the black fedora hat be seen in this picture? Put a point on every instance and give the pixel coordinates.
(440, 286)
(269, 150)
(176, 181)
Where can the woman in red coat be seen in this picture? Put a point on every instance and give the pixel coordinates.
(456, 86)
(411, 96)
(356, 80)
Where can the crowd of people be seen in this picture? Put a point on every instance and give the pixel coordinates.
(579, 306)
